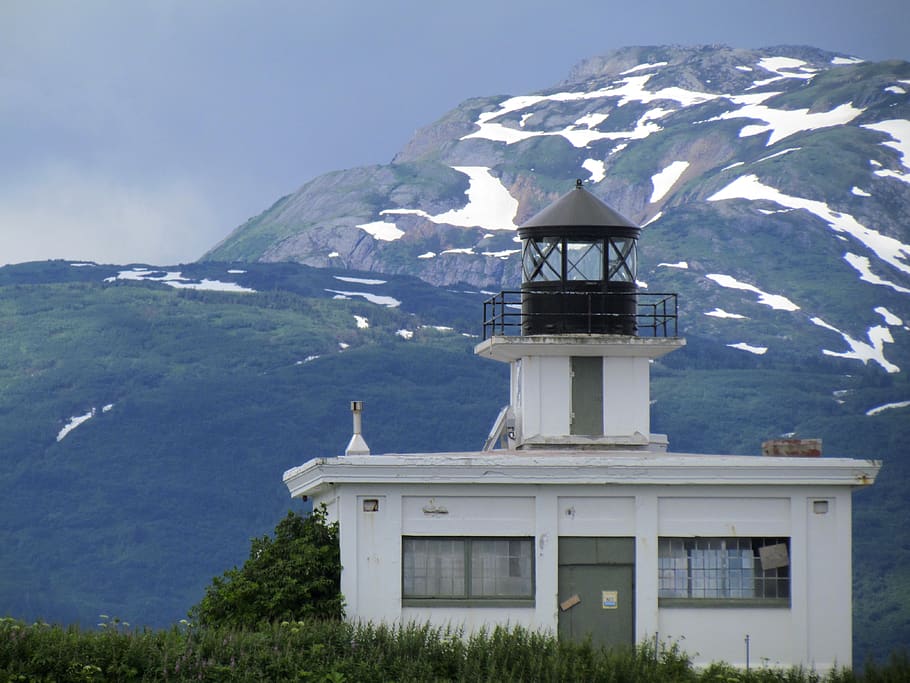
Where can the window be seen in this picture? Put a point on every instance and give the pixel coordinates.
(623, 260)
(584, 261)
(542, 260)
(724, 570)
(461, 570)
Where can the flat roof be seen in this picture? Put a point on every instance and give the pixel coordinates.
(588, 467)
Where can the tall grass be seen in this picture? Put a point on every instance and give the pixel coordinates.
(335, 652)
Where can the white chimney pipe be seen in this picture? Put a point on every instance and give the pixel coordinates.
(357, 446)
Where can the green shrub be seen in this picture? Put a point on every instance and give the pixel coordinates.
(294, 576)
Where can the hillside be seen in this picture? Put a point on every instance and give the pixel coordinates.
(149, 413)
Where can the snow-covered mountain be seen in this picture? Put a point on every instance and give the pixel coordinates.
(774, 186)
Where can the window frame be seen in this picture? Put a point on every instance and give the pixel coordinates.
(469, 598)
(547, 259)
(763, 580)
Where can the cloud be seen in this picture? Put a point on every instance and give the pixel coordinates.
(60, 211)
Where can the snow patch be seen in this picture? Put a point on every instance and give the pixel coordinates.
(629, 89)
(381, 230)
(405, 334)
(782, 123)
(596, 168)
(656, 217)
(663, 181)
(75, 422)
(721, 313)
(177, 281)
(886, 248)
(489, 203)
(778, 154)
(888, 406)
(359, 280)
(334, 254)
(783, 67)
(846, 60)
(859, 192)
(504, 254)
(859, 350)
(681, 264)
(428, 254)
(591, 120)
(896, 89)
(642, 67)
(743, 346)
(343, 346)
(372, 298)
(775, 301)
(362, 323)
(889, 317)
(899, 130)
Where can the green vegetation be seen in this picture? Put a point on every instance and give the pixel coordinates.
(296, 575)
(333, 652)
(214, 397)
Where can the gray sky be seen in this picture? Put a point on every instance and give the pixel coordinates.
(146, 130)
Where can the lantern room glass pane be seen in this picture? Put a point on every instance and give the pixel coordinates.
(542, 260)
(584, 260)
(623, 262)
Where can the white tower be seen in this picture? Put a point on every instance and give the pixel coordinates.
(579, 335)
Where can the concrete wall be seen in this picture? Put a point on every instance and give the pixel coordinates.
(541, 394)
(814, 630)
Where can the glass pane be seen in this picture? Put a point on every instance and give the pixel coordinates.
(718, 568)
(433, 567)
(542, 260)
(501, 568)
(584, 260)
(623, 260)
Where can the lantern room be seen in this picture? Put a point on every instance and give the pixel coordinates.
(579, 264)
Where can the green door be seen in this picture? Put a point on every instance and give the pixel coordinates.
(587, 395)
(596, 590)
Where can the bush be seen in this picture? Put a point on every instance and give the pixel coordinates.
(294, 576)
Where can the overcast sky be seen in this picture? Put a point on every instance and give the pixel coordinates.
(146, 130)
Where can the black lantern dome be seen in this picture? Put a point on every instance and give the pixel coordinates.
(579, 264)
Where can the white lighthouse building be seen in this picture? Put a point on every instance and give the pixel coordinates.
(575, 518)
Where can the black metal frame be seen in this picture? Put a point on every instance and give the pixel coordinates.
(656, 312)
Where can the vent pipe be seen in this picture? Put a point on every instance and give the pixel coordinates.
(357, 446)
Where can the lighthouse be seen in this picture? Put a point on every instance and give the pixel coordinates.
(574, 519)
(579, 335)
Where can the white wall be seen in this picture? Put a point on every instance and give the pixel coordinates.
(627, 407)
(814, 630)
(546, 394)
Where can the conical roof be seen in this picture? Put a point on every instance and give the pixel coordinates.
(578, 207)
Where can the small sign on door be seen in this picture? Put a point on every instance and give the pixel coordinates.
(609, 599)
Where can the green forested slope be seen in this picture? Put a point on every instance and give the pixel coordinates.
(213, 398)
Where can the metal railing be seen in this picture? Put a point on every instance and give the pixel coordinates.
(655, 314)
